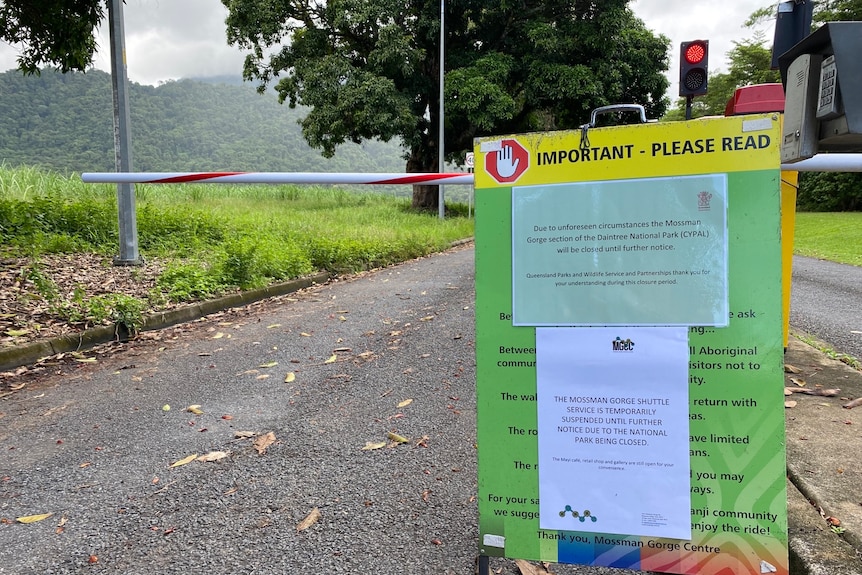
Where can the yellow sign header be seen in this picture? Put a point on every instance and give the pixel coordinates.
(704, 146)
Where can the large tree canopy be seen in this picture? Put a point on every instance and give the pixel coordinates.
(370, 68)
(52, 32)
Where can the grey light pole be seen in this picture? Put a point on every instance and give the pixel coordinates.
(129, 254)
(441, 207)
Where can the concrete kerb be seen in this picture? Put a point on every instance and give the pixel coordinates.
(814, 550)
(33, 352)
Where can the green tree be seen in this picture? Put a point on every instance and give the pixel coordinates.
(52, 32)
(837, 10)
(370, 68)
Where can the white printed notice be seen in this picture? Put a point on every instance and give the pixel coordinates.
(613, 430)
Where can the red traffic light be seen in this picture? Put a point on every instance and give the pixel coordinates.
(695, 52)
(693, 68)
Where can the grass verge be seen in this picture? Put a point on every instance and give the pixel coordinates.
(830, 236)
(212, 238)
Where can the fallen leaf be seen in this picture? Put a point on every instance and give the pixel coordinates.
(798, 381)
(309, 520)
(788, 391)
(219, 335)
(397, 438)
(527, 568)
(370, 445)
(213, 456)
(262, 376)
(17, 332)
(86, 360)
(33, 518)
(244, 434)
(17, 387)
(427, 318)
(269, 364)
(227, 417)
(790, 369)
(405, 403)
(264, 441)
(184, 460)
(273, 325)
(854, 403)
(821, 392)
(196, 409)
(436, 542)
(789, 404)
(332, 359)
(303, 334)
(289, 377)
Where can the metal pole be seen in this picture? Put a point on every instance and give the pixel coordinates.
(129, 254)
(441, 207)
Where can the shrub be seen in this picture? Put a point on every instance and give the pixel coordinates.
(189, 282)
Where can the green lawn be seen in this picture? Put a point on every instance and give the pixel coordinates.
(830, 236)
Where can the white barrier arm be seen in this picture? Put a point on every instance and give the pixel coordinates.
(273, 178)
(819, 163)
(827, 163)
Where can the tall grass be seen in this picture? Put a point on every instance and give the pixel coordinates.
(217, 236)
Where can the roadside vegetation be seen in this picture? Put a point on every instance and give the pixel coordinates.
(834, 236)
(209, 239)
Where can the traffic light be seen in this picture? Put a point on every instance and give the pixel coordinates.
(693, 70)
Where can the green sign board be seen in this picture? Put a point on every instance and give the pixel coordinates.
(564, 233)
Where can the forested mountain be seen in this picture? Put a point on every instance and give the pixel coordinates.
(63, 122)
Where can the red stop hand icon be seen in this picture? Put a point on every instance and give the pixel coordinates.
(508, 163)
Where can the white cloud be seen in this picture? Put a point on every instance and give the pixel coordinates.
(719, 22)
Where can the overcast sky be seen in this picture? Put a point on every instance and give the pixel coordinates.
(171, 39)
